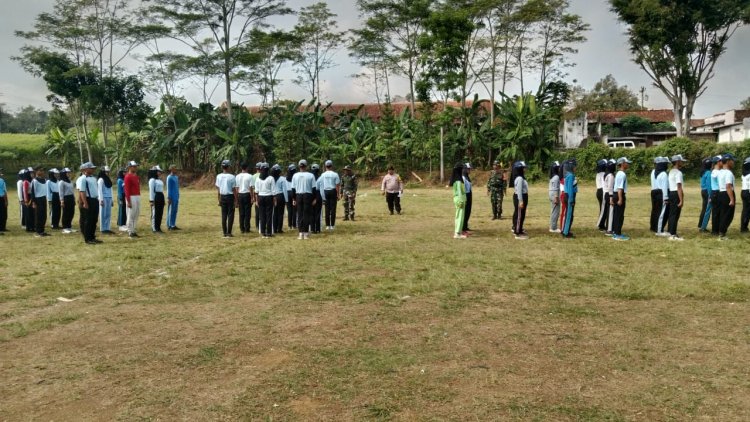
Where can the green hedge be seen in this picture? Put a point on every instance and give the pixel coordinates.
(643, 158)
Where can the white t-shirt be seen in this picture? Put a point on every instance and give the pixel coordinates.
(726, 177)
(244, 182)
(226, 182)
(675, 178)
(600, 180)
(265, 187)
(609, 184)
(746, 182)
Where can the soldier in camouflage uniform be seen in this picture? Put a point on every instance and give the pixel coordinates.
(496, 187)
(349, 189)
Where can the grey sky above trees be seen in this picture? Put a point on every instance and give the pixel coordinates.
(605, 52)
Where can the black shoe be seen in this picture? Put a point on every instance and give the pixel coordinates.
(91, 242)
(133, 235)
(346, 218)
(98, 241)
(45, 234)
(175, 228)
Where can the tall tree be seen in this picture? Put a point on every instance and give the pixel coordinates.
(745, 104)
(225, 23)
(390, 35)
(678, 43)
(269, 53)
(607, 95)
(318, 41)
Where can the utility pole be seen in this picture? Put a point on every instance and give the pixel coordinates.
(644, 97)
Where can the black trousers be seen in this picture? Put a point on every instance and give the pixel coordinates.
(393, 201)
(245, 200)
(40, 214)
(291, 212)
(519, 214)
(265, 215)
(600, 197)
(604, 213)
(331, 204)
(715, 212)
(55, 209)
(304, 211)
(157, 213)
(745, 219)
(618, 216)
(22, 213)
(317, 214)
(704, 205)
(68, 211)
(28, 211)
(3, 215)
(657, 200)
(88, 218)
(467, 211)
(674, 212)
(727, 213)
(227, 213)
(278, 214)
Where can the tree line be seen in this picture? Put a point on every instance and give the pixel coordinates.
(449, 51)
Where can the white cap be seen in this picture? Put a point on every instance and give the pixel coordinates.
(623, 160)
(132, 164)
(105, 168)
(54, 170)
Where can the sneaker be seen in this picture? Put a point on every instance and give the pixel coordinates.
(175, 228)
(37, 235)
(91, 242)
(621, 237)
(569, 236)
(521, 236)
(723, 238)
(459, 236)
(675, 237)
(663, 234)
(123, 228)
(609, 233)
(300, 237)
(306, 236)
(465, 233)
(555, 231)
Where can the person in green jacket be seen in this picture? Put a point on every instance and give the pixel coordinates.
(459, 199)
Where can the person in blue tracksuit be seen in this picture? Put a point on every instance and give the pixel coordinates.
(173, 197)
(705, 214)
(571, 190)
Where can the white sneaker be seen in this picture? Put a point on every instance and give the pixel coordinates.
(123, 228)
(521, 237)
(459, 236)
(67, 231)
(555, 231)
(677, 238)
(307, 236)
(663, 234)
(301, 236)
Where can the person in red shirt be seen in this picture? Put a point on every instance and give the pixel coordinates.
(132, 186)
(27, 199)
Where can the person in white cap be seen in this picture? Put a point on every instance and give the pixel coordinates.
(106, 202)
(226, 186)
(727, 199)
(331, 186)
(132, 187)
(3, 204)
(53, 198)
(19, 192)
(39, 202)
(88, 202)
(67, 200)
(467, 206)
(662, 196)
(620, 199)
(245, 186)
(156, 198)
(304, 194)
(676, 196)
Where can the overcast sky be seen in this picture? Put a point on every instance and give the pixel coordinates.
(605, 52)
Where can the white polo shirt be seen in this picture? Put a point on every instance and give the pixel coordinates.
(226, 182)
(725, 177)
(244, 182)
(675, 178)
(621, 182)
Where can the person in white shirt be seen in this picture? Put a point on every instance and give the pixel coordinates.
(662, 186)
(726, 195)
(53, 198)
(676, 196)
(106, 201)
(265, 192)
(520, 199)
(601, 171)
(67, 200)
(156, 198)
(331, 187)
(304, 196)
(282, 197)
(88, 202)
(392, 188)
(714, 198)
(745, 218)
(245, 182)
(620, 199)
(226, 187)
(39, 202)
(657, 201)
(19, 192)
(609, 193)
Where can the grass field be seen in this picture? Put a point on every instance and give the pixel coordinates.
(22, 141)
(388, 318)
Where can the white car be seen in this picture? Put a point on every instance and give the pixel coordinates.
(622, 144)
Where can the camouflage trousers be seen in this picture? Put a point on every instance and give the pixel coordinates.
(349, 200)
(496, 198)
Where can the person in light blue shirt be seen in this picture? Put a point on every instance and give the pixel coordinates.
(571, 190)
(330, 185)
(39, 202)
(281, 198)
(304, 197)
(53, 198)
(173, 197)
(620, 200)
(705, 213)
(3, 204)
(106, 202)
(226, 186)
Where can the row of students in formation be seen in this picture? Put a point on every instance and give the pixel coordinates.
(53, 198)
(308, 197)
